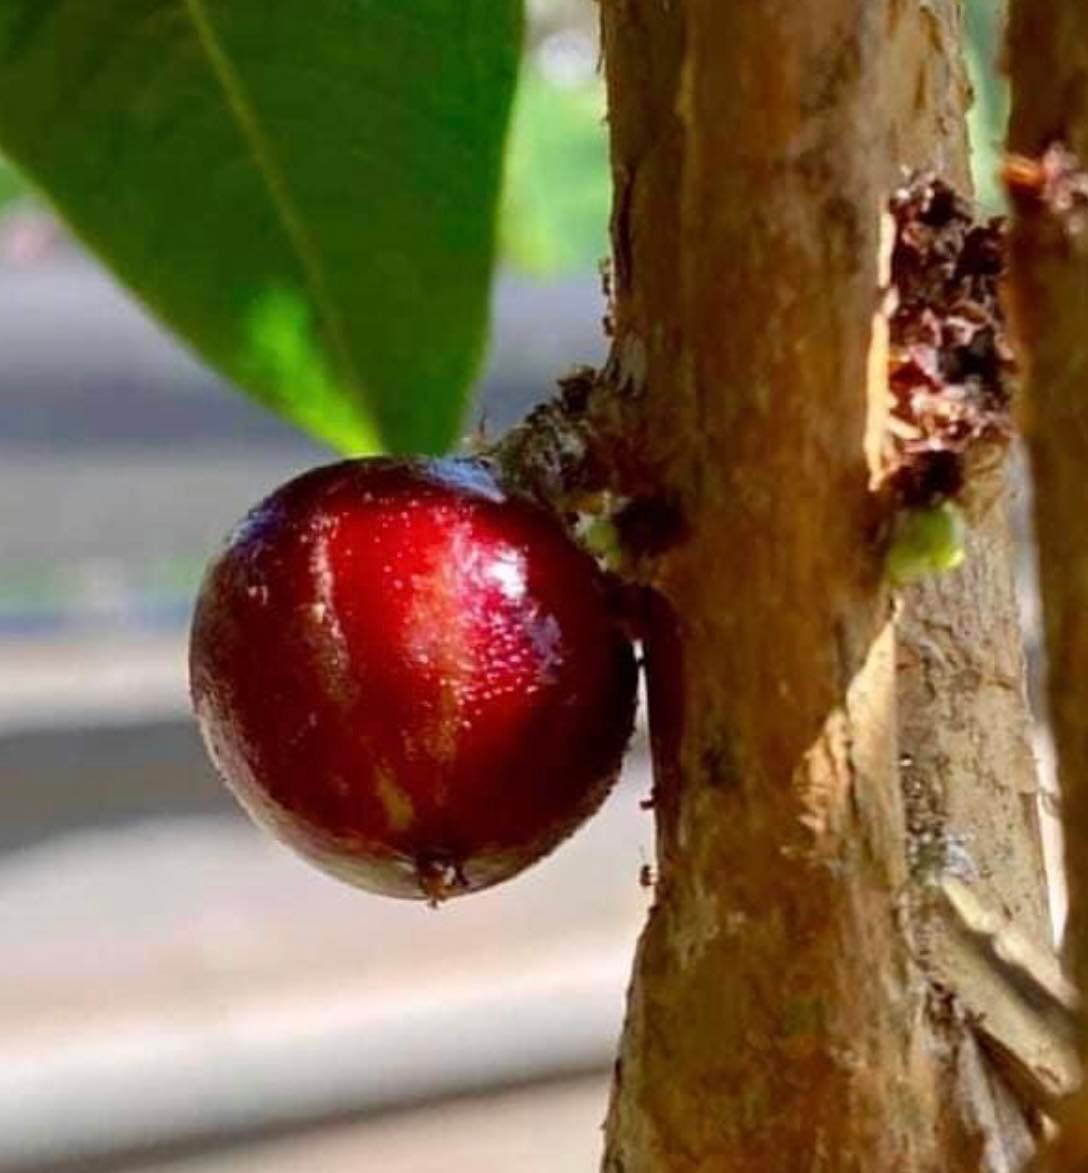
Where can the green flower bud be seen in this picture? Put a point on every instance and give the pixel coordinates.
(925, 542)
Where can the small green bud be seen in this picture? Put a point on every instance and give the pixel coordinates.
(925, 542)
(599, 535)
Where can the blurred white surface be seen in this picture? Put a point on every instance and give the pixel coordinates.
(77, 682)
(186, 980)
(552, 1128)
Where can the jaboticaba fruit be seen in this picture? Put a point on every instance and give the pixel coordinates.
(412, 677)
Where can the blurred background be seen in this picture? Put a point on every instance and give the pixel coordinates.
(177, 993)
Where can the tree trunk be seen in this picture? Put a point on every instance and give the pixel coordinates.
(1049, 64)
(969, 776)
(778, 1018)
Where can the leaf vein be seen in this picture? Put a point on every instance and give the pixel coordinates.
(242, 108)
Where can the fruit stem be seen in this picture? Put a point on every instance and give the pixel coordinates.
(439, 879)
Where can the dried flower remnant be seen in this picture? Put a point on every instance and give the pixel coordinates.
(1055, 183)
(950, 364)
(551, 456)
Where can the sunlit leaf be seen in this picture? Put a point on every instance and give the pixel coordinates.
(306, 191)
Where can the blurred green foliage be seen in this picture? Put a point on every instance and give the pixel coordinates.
(558, 186)
(990, 112)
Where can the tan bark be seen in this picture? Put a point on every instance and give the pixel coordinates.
(772, 1018)
(1049, 66)
(967, 767)
(970, 782)
(777, 1019)
(969, 774)
(965, 735)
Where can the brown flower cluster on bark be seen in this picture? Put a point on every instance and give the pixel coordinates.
(950, 366)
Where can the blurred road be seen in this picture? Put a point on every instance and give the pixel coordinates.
(178, 982)
(551, 1128)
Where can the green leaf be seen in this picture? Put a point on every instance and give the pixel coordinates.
(12, 186)
(306, 191)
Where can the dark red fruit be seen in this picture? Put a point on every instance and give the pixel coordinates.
(410, 676)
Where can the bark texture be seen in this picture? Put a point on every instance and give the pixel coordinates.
(965, 725)
(771, 1023)
(1049, 66)
(968, 772)
(968, 769)
(778, 1018)
(970, 789)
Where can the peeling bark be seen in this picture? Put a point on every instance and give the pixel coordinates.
(778, 1018)
(969, 782)
(1049, 295)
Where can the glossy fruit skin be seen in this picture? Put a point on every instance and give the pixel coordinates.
(411, 676)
